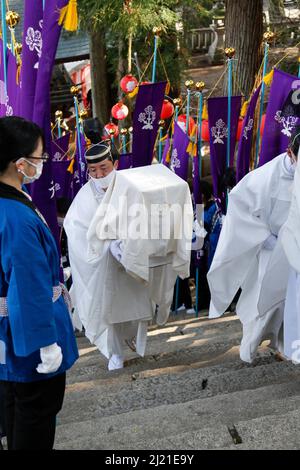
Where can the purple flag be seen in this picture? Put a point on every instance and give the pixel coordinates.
(13, 88)
(165, 153)
(196, 181)
(145, 122)
(62, 178)
(59, 148)
(2, 84)
(217, 119)
(245, 143)
(43, 191)
(31, 53)
(80, 175)
(281, 116)
(179, 157)
(125, 161)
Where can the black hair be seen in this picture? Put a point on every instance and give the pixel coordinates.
(206, 189)
(93, 130)
(295, 140)
(18, 138)
(228, 180)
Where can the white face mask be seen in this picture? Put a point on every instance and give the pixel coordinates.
(103, 183)
(30, 179)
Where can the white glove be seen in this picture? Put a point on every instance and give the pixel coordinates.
(199, 234)
(51, 357)
(270, 242)
(116, 249)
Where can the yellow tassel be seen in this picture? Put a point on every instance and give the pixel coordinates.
(133, 93)
(69, 16)
(18, 74)
(244, 109)
(168, 156)
(168, 86)
(71, 166)
(269, 78)
(205, 112)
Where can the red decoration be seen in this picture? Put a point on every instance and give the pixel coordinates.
(128, 83)
(111, 126)
(119, 111)
(145, 83)
(239, 129)
(181, 121)
(262, 124)
(205, 131)
(167, 110)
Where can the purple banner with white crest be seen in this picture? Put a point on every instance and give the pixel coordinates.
(218, 135)
(179, 162)
(282, 115)
(125, 161)
(246, 139)
(31, 53)
(145, 122)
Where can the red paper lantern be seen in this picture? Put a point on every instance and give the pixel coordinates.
(111, 127)
(119, 111)
(205, 131)
(181, 121)
(128, 83)
(167, 110)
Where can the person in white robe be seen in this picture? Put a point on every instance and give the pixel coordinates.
(286, 258)
(257, 209)
(90, 277)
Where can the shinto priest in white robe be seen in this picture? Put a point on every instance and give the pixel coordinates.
(257, 208)
(107, 294)
(286, 258)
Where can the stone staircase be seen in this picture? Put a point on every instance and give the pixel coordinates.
(190, 391)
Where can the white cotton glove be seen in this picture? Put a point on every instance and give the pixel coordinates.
(51, 357)
(270, 242)
(116, 248)
(199, 234)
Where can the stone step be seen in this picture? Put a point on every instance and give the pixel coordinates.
(137, 429)
(181, 343)
(99, 399)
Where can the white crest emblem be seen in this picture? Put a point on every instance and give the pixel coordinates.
(219, 131)
(147, 118)
(175, 162)
(34, 42)
(248, 128)
(287, 120)
(53, 188)
(9, 110)
(57, 157)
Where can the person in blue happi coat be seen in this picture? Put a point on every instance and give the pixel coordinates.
(37, 343)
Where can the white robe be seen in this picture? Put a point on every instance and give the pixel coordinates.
(103, 294)
(290, 260)
(258, 207)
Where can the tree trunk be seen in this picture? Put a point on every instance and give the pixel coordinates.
(244, 32)
(100, 87)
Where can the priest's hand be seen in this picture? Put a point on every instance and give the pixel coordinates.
(116, 249)
(51, 357)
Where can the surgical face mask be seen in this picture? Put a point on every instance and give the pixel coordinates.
(103, 183)
(30, 179)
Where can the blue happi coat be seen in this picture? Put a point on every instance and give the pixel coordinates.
(29, 269)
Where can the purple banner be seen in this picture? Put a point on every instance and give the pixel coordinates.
(13, 88)
(80, 175)
(245, 144)
(43, 191)
(125, 161)
(196, 181)
(166, 157)
(281, 116)
(179, 157)
(59, 148)
(145, 122)
(2, 84)
(217, 120)
(31, 53)
(62, 178)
